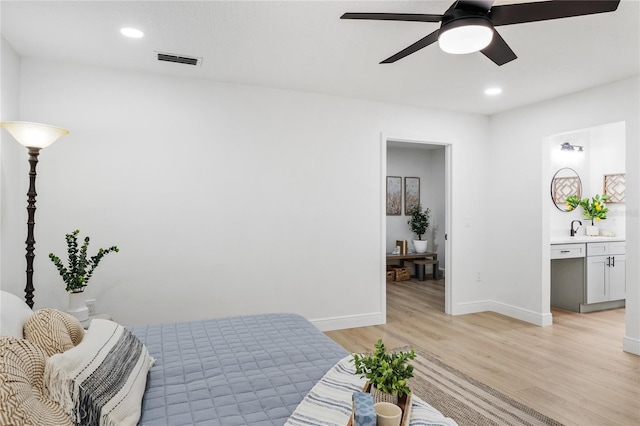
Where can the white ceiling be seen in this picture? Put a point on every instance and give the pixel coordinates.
(303, 45)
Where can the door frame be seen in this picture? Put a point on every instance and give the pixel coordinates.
(450, 275)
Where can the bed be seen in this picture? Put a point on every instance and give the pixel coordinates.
(258, 370)
(242, 370)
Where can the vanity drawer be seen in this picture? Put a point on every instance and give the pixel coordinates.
(600, 249)
(567, 251)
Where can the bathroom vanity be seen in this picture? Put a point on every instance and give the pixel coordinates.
(588, 273)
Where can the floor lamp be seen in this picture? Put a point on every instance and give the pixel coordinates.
(34, 136)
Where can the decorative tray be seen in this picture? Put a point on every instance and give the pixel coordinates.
(404, 402)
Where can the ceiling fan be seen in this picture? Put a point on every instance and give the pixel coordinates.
(468, 25)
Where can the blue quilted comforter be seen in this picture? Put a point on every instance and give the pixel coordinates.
(246, 370)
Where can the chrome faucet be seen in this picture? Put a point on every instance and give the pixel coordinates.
(573, 231)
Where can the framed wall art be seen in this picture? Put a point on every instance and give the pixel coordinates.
(411, 194)
(394, 195)
(615, 187)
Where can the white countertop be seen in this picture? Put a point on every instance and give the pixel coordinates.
(584, 239)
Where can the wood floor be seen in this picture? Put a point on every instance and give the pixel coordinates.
(573, 371)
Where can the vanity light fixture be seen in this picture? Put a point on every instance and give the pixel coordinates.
(571, 148)
(131, 33)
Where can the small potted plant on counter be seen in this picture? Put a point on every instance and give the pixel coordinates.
(419, 223)
(387, 372)
(78, 272)
(593, 209)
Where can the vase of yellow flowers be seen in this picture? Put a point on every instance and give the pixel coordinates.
(593, 209)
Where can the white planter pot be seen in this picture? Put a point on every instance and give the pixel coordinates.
(592, 231)
(78, 307)
(420, 246)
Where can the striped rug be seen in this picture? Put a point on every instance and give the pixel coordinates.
(465, 399)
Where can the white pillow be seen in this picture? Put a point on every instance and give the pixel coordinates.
(14, 312)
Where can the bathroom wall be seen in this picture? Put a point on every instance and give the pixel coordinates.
(604, 153)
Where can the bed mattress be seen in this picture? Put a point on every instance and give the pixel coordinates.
(244, 370)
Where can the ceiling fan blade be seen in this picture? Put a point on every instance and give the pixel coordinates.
(423, 42)
(541, 11)
(418, 17)
(498, 50)
(482, 5)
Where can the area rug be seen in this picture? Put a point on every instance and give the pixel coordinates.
(466, 400)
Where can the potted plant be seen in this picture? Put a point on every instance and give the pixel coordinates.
(419, 223)
(78, 272)
(593, 209)
(387, 372)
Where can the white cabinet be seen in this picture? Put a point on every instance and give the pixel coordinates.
(588, 276)
(606, 272)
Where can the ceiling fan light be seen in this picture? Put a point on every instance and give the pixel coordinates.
(463, 39)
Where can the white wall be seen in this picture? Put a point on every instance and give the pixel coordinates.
(520, 159)
(13, 180)
(228, 199)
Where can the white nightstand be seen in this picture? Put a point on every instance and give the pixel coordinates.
(86, 323)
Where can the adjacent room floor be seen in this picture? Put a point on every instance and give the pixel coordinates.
(573, 371)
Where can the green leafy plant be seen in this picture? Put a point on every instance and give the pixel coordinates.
(388, 372)
(419, 221)
(591, 209)
(77, 275)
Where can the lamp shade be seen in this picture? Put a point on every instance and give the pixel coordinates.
(465, 35)
(33, 135)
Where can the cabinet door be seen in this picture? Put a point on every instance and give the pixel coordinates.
(597, 271)
(618, 278)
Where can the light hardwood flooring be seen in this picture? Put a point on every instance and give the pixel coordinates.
(573, 371)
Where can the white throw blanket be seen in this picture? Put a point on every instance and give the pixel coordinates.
(328, 403)
(102, 380)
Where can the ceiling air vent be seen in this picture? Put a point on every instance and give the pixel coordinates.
(179, 59)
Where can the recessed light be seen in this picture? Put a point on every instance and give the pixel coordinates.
(492, 91)
(131, 32)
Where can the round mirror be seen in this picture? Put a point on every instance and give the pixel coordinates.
(564, 183)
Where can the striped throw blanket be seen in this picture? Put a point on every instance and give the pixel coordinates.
(102, 380)
(328, 403)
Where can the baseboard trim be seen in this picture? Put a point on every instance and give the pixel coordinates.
(631, 345)
(511, 311)
(348, 321)
(471, 307)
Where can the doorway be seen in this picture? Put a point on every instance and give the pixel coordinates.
(429, 164)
